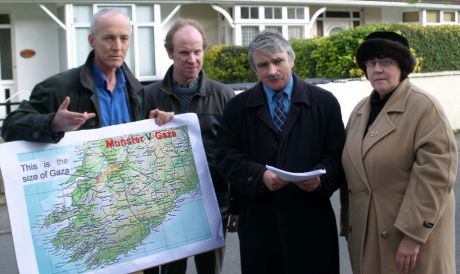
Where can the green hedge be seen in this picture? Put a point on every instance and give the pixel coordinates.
(228, 64)
(436, 48)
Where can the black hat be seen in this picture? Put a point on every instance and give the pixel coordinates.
(381, 44)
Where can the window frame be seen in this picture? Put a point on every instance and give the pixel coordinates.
(438, 15)
(455, 14)
(262, 23)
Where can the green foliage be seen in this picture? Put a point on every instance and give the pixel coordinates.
(304, 65)
(436, 49)
(228, 64)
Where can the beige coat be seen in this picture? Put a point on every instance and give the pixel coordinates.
(400, 177)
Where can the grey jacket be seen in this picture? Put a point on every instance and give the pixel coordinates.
(209, 105)
(32, 120)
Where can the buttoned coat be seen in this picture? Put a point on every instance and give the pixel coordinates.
(289, 231)
(208, 104)
(400, 173)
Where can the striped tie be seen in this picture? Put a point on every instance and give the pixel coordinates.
(279, 115)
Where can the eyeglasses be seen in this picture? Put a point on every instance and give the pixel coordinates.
(384, 62)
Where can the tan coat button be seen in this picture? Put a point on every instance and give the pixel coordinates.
(384, 234)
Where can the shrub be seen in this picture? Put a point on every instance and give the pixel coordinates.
(228, 64)
(436, 49)
(305, 65)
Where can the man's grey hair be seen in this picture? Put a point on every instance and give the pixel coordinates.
(269, 42)
(97, 16)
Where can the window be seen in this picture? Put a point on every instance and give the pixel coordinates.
(410, 17)
(432, 16)
(81, 45)
(82, 14)
(141, 55)
(273, 13)
(335, 30)
(320, 28)
(295, 32)
(337, 14)
(343, 20)
(449, 17)
(275, 28)
(146, 37)
(290, 21)
(296, 13)
(248, 34)
(145, 13)
(249, 13)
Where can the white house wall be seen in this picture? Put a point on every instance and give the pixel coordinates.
(391, 15)
(371, 16)
(203, 13)
(32, 29)
(206, 16)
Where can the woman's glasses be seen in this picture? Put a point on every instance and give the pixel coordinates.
(383, 62)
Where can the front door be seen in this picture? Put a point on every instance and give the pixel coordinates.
(7, 84)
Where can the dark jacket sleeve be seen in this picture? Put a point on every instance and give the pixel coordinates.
(333, 145)
(31, 121)
(244, 175)
(344, 205)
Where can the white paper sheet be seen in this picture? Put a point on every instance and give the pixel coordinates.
(294, 176)
(112, 200)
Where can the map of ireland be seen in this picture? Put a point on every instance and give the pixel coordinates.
(112, 200)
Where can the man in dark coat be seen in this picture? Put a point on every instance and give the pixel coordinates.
(185, 88)
(101, 92)
(284, 227)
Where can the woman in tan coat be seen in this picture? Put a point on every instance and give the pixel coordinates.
(400, 162)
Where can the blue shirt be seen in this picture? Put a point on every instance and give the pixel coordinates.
(287, 99)
(113, 105)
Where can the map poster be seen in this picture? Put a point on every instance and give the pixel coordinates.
(112, 200)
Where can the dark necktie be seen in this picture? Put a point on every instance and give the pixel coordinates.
(279, 115)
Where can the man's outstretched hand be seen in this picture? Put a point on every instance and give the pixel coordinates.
(66, 120)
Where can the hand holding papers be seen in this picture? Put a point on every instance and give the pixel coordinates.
(296, 177)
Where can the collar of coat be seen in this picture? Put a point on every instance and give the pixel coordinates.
(396, 103)
(86, 75)
(166, 84)
(256, 95)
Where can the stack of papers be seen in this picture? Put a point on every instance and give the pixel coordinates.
(296, 177)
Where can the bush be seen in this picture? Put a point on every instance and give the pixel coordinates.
(305, 65)
(436, 49)
(228, 64)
